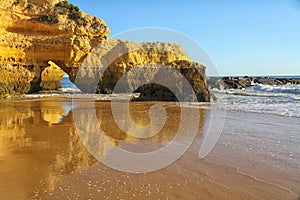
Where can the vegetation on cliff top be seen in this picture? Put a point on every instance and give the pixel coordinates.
(19, 2)
(51, 19)
(61, 8)
(73, 12)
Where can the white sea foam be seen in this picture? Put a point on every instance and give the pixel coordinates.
(284, 89)
(279, 100)
(72, 90)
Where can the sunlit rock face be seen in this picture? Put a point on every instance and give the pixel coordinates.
(51, 77)
(132, 65)
(175, 74)
(34, 32)
(106, 63)
(14, 80)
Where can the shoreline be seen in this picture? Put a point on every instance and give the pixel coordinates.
(108, 98)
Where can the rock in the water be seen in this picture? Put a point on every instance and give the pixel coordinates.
(244, 82)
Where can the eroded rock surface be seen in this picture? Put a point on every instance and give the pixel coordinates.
(14, 80)
(138, 64)
(34, 32)
(51, 77)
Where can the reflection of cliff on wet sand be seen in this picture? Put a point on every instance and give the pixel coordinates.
(256, 157)
(52, 112)
(35, 156)
(40, 145)
(41, 155)
(139, 112)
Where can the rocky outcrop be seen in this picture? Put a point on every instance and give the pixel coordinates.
(244, 82)
(14, 80)
(141, 63)
(193, 72)
(35, 32)
(51, 77)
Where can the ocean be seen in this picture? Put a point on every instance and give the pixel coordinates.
(276, 100)
(68, 86)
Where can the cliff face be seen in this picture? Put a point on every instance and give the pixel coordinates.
(34, 32)
(140, 63)
(121, 56)
(14, 80)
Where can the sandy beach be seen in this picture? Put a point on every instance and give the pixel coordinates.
(42, 156)
(150, 100)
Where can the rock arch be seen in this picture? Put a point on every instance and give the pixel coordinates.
(30, 44)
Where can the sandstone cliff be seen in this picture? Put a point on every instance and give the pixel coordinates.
(141, 63)
(51, 77)
(34, 32)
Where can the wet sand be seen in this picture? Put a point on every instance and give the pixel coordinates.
(42, 155)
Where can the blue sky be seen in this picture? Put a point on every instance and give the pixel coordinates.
(257, 37)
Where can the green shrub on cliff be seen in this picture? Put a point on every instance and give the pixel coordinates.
(62, 8)
(18, 2)
(72, 11)
(29, 6)
(50, 19)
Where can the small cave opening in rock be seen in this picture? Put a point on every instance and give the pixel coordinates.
(155, 92)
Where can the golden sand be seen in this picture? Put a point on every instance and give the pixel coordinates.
(42, 156)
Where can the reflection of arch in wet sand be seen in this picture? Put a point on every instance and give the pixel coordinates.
(106, 131)
(36, 152)
(12, 131)
(49, 149)
(53, 112)
(139, 113)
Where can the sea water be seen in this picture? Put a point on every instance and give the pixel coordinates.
(68, 86)
(278, 100)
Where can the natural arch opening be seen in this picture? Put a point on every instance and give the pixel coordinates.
(53, 78)
(68, 86)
